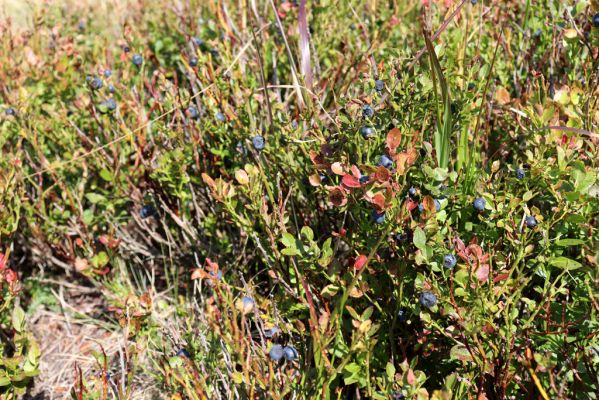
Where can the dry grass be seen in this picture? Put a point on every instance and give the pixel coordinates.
(67, 340)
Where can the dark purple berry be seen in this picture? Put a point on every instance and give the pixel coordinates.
(258, 142)
(137, 60)
(95, 83)
(192, 112)
(183, 353)
(449, 261)
(428, 299)
(290, 353)
(367, 131)
(386, 162)
(147, 211)
(479, 204)
(367, 111)
(276, 352)
(377, 217)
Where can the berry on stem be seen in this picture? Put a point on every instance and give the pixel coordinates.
(428, 299)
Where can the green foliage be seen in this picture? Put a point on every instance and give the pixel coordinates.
(246, 240)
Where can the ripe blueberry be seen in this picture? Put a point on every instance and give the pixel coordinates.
(111, 88)
(193, 61)
(377, 217)
(537, 33)
(402, 315)
(95, 83)
(258, 142)
(428, 299)
(183, 353)
(530, 221)
(220, 117)
(197, 41)
(479, 204)
(108, 105)
(449, 261)
(596, 20)
(397, 395)
(421, 207)
(364, 179)
(367, 131)
(402, 237)
(423, 152)
(386, 162)
(137, 60)
(413, 192)
(126, 49)
(290, 353)
(107, 73)
(276, 352)
(367, 111)
(269, 333)
(147, 211)
(379, 85)
(81, 25)
(437, 204)
(218, 275)
(10, 112)
(520, 174)
(473, 2)
(192, 112)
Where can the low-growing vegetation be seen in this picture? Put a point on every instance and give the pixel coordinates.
(273, 199)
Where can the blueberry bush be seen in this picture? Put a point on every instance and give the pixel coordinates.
(308, 199)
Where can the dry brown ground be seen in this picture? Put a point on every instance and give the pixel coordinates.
(69, 336)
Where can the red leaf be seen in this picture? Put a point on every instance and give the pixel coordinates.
(337, 197)
(197, 274)
(2, 262)
(410, 205)
(350, 181)
(379, 202)
(500, 277)
(10, 276)
(393, 140)
(382, 174)
(360, 262)
(482, 273)
(355, 171)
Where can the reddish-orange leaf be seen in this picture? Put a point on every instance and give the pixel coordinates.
(360, 262)
(350, 181)
(393, 140)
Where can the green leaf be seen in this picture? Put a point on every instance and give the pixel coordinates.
(307, 233)
(419, 238)
(569, 242)
(353, 368)
(106, 175)
(95, 198)
(565, 263)
(290, 251)
(460, 352)
(288, 240)
(18, 319)
(527, 196)
(100, 259)
(390, 369)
